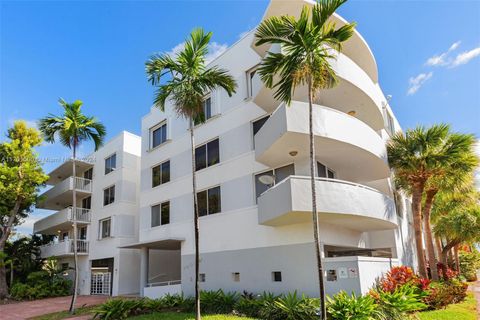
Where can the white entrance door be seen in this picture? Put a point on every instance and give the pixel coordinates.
(100, 283)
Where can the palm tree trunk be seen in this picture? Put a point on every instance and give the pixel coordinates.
(316, 233)
(457, 258)
(11, 272)
(438, 244)
(75, 256)
(196, 228)
(417, 224)
(432, 260)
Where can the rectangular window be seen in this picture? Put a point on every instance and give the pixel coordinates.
(160, 214)
(158, 135)
(108, 195)
(110, 163)
(253, 82)
(88, 174)
(201, 277)
(209, 201)
(390, 123)
(207, 155)
(236, 276)
(277, 276)
(206, 112)
(278, 175)
(161, 174)
(87, 203)
(324, 172)
(105, 226)
(83, 233)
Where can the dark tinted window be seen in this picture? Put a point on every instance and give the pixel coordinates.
(165, 212)
(155, 215)
(161, 174)
(105, 228)
(108, 195)
(88, 174)
(110, 163)
(207, 155)
(209, 201)
(159, 135)
(257, 125)
(277, 276)
(321, 170)
(87, 203)
(202, 203)
(260, 187)
(284, 172)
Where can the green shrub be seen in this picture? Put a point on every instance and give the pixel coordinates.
(294, 307)
(397, 304)
(217, 301)
(117, 309)
(443, 293)
(469, 264)
(41, 285)
(248, 305)
(344, 307)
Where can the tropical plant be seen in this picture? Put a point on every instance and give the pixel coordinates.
(72, 128)
(470, 264)
(186, 80)
(218, 301)
(117, 309)
(344, 307)
(41, 284)
(21, 176)
(308, 45)
(288, 307)
(418, 155)
(397, 304)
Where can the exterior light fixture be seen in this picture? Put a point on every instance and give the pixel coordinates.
(293, 153)
(267, 179)
(352, 113)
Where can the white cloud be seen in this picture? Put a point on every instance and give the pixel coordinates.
(465, 57)
(443, 58)
(414, 84)
(214, 50)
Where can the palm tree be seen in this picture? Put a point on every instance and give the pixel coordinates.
(456, 177)
(188, 81)
(418, 155)
(308, 44)
(72, 128)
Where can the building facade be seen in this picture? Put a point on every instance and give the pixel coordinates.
(252, 166)
(107, 188)
(253, 180)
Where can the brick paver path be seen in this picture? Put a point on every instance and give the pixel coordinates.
(29, 309)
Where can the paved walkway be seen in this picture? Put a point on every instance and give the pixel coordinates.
(29, 309)
(476, 293)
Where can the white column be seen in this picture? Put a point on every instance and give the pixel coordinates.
(143, 269)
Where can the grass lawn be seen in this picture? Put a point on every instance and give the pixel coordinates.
(460, 311)
(186, 316)
(65, 314)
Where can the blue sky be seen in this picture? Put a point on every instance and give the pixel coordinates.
(428, 55)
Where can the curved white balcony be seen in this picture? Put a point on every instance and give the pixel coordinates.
(63, 248)
(339, 202)
(62, 220)
(356, 47)
(355, 92)
(60, 195)
(341, 141)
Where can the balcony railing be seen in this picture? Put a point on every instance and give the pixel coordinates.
(63, 248)
(61, 220)
(82, 184)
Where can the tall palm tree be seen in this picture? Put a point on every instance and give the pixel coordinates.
(309, 44)
(72, 128)
(418, 155)
(456, 177)
(185, 80)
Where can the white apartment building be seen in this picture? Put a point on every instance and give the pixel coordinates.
(107, 188)
(253, 182)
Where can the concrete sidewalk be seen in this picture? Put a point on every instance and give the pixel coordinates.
(29, 309)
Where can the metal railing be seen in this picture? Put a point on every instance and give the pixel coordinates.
(82, 246)
(82, 184)
(164, 283)
(79, 214)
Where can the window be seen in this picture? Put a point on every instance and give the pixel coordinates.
(324, 172)
(158, 135)
(209, 201)
(277, 276)
(201, 277)
(108, 195)
(110, 163)
(83, 233)
(206, 112)
(88, 174)
(87, 203)
(257, 125)
(160, 214)
(105, 226)
(253, 81)
(279, 174)
(390, 123)
(161, 174)
(236, 276)
(207, 155)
